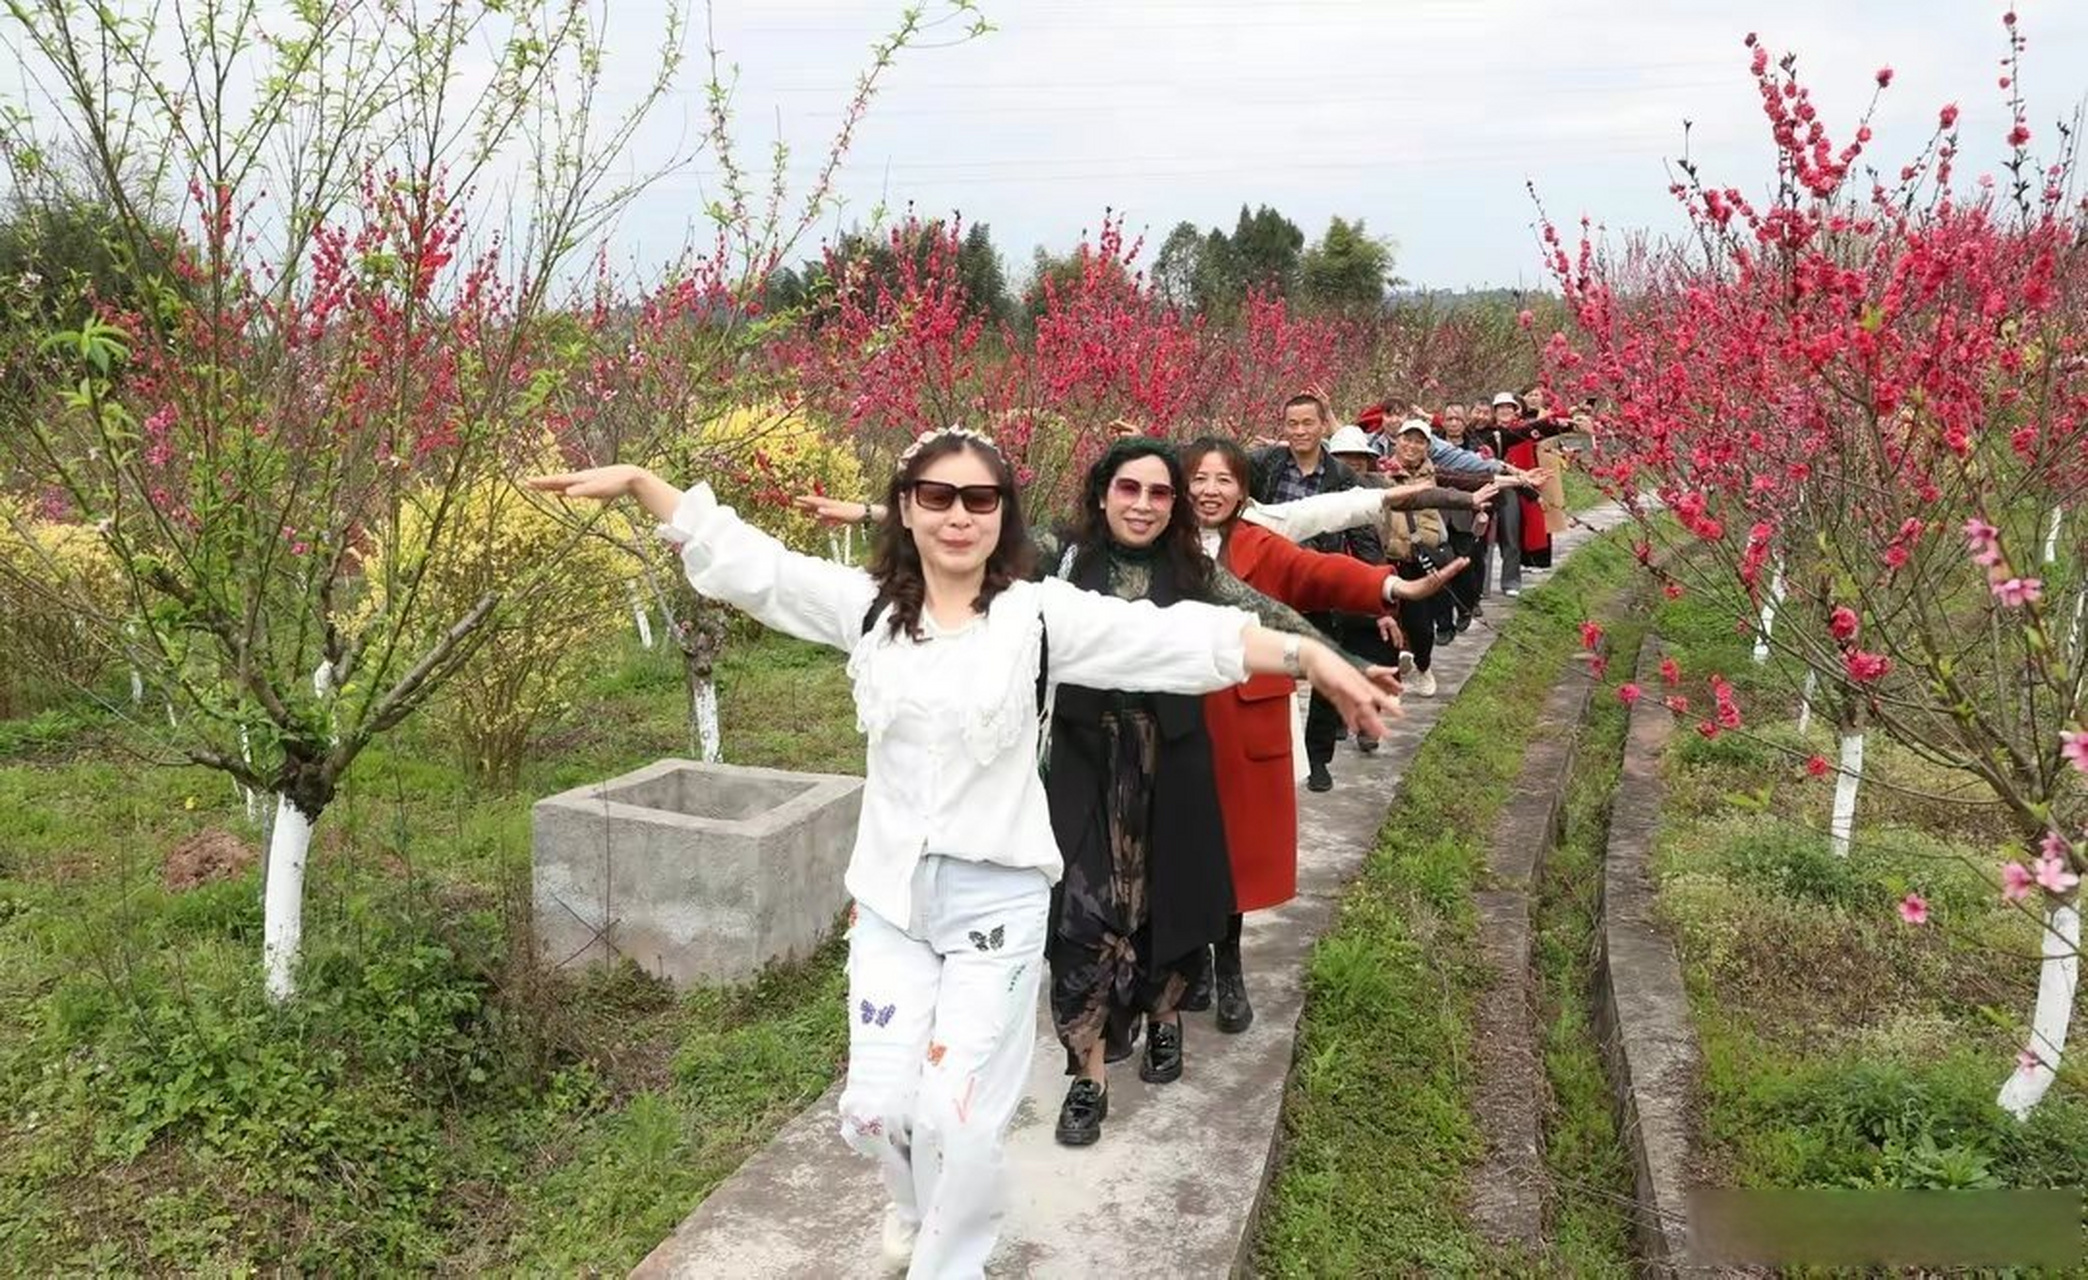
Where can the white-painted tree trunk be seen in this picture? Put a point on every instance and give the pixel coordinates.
(1769, 607)
(705, 707)
(137, 677)
(1842, 827)
(246, 793)
(1805, 700)
(322, 688)
(643, 617)
(282, 900)
(2056, 980)
(2051, 546)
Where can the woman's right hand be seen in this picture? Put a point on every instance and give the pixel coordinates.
(831, 510)
(604, 484)
(607, 484)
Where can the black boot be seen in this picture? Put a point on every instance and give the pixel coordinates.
(1162, 1063)
(1235, 1014)
(1198, 997)
(1081, 1115)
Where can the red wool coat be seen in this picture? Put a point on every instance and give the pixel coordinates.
(1249, 723)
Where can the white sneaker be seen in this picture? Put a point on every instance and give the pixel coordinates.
(1513, 593)
(897, 1238)
(1424, 684)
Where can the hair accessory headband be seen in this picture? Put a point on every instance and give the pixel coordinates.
(950, 432)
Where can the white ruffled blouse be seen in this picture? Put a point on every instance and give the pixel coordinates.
(952, 718)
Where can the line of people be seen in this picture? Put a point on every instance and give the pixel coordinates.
(1080, 750)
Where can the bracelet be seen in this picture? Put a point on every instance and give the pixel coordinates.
(1291, 665)
(869, 512)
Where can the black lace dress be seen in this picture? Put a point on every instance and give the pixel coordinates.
(1134, 804)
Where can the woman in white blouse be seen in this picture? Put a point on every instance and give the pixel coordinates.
(954, 856)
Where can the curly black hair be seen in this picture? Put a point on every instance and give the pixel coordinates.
(1178, 543)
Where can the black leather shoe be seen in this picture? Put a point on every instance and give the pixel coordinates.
(1198, 997)
(1368, 746)
(1081, 1115)
(1162, 1063)
(1234, 1013)
(1319, 779)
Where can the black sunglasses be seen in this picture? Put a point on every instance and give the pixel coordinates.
(937, 495)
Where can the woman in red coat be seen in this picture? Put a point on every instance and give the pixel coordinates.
(1249, 724)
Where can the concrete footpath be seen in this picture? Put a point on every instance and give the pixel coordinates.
(1173, 1187)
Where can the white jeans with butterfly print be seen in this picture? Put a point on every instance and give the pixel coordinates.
(942, 1020)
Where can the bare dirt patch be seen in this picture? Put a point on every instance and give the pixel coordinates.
(206, 857)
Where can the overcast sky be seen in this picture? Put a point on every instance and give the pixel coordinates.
(1424, 117)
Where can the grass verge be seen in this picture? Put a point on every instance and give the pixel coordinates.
(1843, 1047)
(1378, 1127)
(1584, 1152)
(434, 1101)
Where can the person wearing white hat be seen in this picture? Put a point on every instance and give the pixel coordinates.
(1414, 542)
(1508, 523)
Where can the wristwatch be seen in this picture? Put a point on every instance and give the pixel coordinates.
(869, 513)
(1294, 668)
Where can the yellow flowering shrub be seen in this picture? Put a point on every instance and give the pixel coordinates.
(758, 457)
(58, 588)
(565, 597)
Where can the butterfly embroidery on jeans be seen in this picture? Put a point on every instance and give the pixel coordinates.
(989, 941)
(871, 1013)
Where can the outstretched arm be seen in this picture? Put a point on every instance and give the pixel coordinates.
(731, 560)
(1304, 518)
(1275, 615)
(1106, 643)
(1449, 457)
(1424, 497)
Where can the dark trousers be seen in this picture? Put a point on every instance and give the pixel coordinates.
(1358, 635)
(1508, 523)
(1418, 618)
(1322, 721)
(1470, 583)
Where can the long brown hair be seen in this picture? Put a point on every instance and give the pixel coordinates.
(895, 562)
